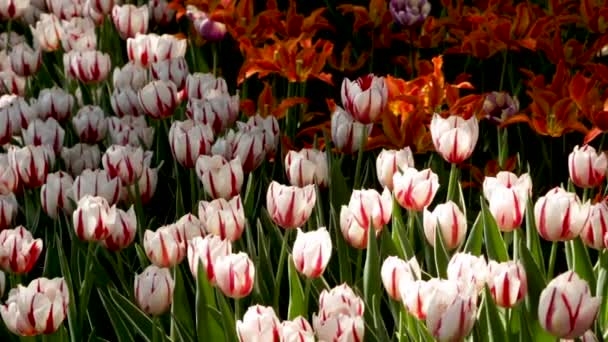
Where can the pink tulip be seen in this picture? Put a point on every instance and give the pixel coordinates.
(223, 218)
(365, 98)
(560, 215)
(508, 196)
(8, 210)
(340, 316)
(500, 106)
(219, 110)
(8, 178)
(451, 221)
(297, 330)
(346, 133)
(596, 228)
(131, 130)
(171, 70)
(31, 164)
(165, 246)
(415, 190)
(234, 275)
(130, 20)
(158, 99)
(47, 133)
(366, 208)
(154, 290)
(55, 103)
(468, 269)
(160, 12)
(452, 312)
(189, 141)
(260, 323)
(19, 251)
(220, 178)
(508, 282)
(587, 167)
(395, 272)
(389, 162)
(130, 76)
(308, 166)
(125, 162)
(207, 251)
(203, 86)
(87, 66)
(25, 61)
(56, 194)
(290, 206)
(312, 251)
(90, 124)
(47, 32)
(454, 138)
(92, 218)
(97, 183)
(13, 9)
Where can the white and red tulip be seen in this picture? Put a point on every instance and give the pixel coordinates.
(154, 290)
(454, 137)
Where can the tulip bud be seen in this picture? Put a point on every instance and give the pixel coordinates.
(566, 308)
(415, 190)
(78, 34)
(408, 13)
(416, 295)
(47, 133)
(560, 216)
(340, 316)
(146, 49)
(297, 330)
(396, 271)
(90, 124)
(499, 106)
(165, 246)
(92, 218)
(390, 162)
(39, 308)
(188, 141)
(65, 9)
(260, 323)
(130, 20)
(220, 178)
(452, 224)
(207, 251)
(189, 227)
(247, 146)
(366, 208)
(125, 162)
(596, 228)
(346, 133)
(20, 114)
(80, 157)
(587, 167)
(31, 164)
(158, 99)
(234, 275)
(309, 166)
(171, 70)
(508, 196)
(125, 102)
(47, 32)
(87, 66)
(8, 178)
(219, 111)
(269, 127)
(454, 138)
(290, 206)
(161, 12)
(202, 86)
(19, 251)
(97, 183)
(451, 313)
(55, 103)
(8, 210)
(13, 9)
(130, 76)
(25, 61)
(468, 269)
(508, 282)
(131, 130)
(147, 184)
(365, 98)
(57, 194)
(122, 229)
(223, 218)
(154, 290)
(311, 252)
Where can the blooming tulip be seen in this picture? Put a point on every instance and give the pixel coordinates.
(234, 275)
(8, 210)
(13, 9)
(219, 110)
(125, 102)
(409, 12)
(566, 308)
(508, 282)
(92, 218)
(25, 61)
(31, 163)
(146, 49)
(19, 112)
(451, 312)
(97, 183)
(207, 251)
(312, 251)
(78, 34)
(154, 290)
(454, 138)
(260, 323)
(130, 130)
(171, 70)
(451, 221)
(161, 12)
(396, 271)
(165, 246)
(90, 124)
(390, 162)
(415, 190)
(8, 178)
(596, 228)
(416, 295)
(19, 251)
(65, 9)
(220, 178)
(87, 66)
(365, 98)
(223, 218)
(508, 196)
(47, 133)
(130, 20)
(189, 227)
(39, 308)
(499, 106)
(146, 184)
(297, 330)
(560, 216)
(55, 103)
(290, 206)
(188, 141)
(56, 194)
(122, 229)
(248, 146)
(205, 85)
(366, 208)
(346, 133)
(340, 316)
(47, 32)
(125, 162)
(269, 127)
(11, 83)
(587, 167)
(308, 166)
(130, 76)
(468, 269)
(102, 6)
(158, 99)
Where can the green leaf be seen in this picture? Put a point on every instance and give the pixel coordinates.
(265, 278)
(341, 247)
(532, 239)
(582, 262)
(65, 272)
(495, 328)
(227, 318)
(207, 328)
(602, 289)
(536, 279)
(371, 271)
(442, 257)
(133, 315)
(399, 233)
(475, 239)
(296, 293)
(180, 309)
(495, 245)
(121, 330)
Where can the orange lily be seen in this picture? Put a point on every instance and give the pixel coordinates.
(267, 104)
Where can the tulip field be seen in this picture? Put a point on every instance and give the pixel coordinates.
(295, 171)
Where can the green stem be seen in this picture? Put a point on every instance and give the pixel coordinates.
(214, 52)
(280, 267)
(503, 146)
(504, 70)
(87, 284)
(453, 185)
(307, 288)
(194, 183)
(357, 183)
(552, 260)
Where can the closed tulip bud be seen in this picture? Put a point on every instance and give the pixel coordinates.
(158, 99)
(125, 102)
(365, 98)
(47, 133)
(11, 83)
(588, 336)
(408, 13)
(290, 206)
(8, 210)
(161, 12)
(130, 76)
(220, 111)
(205, 85)
(390, 162)
(221, 178)
(39, 308)
(596, 228)
(451, 313)
(146, 49)
(248, 146)
(499, 106)
(122, 229)
(415, 190)
(92, 218)
(396, 271)
(223, 218)
(346, 133)
(587, 167)
(57, 194)
(468, 269)
(154, 290)
(270, 128)
(366, 208)
(451, 221)
(25, 61)
(297, 330)
(8, 178)
(234, 275)
(125, 162)
(131, 130)
(19, 251)
(90, 124)
(416, 295)
(165, 246)
(80, 157)
(171, 70)
(78, 34)
(55, 103)
(454, 138)
(188, 141)
(147, 184)
(47, 32)
(13, 9)
(508, 282)
(97, 183)
(260, 323)
(566, 308)
(19, 112)
(508, 196)
(65, 9)
(31, 164)
(207, 251)
(340, 316)
(560, 215)
(130, 20)
(87, 66)
(308, 166)
(189, 227)
(311, 252)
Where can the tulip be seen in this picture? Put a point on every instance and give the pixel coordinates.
(131, 130)
(92, 218)
(189, 227)
(122, 229)
(158, 99)
(89, 11)
(19, 112)
(80, 157)
(220, 178)
(340, 316)
(90, 124)
(165, 246)
(130, 20)
(468, 269)
(247, 146)
(390, 162)
(2, 283)
(587, 167)
(297, 330)
(408, 13)
(366, 208)
(125, 102)
(560, 216)
(161, 12)
(154, 290)
(260, 323)
(207, 251)
(65, 9)
(308, 166)
(499, 106)
(507, 282)
(234, 275)
(451, 313)
(25, 61)
(452, 224)
(508, 196)
(11, 83)
(125, 162)
(596, 228)
(31, 164)
(146, 49)
(208, 29)
(97, 183)
(6, 129)
(311, 252)
(269, 127)
(8, 178)
(102, 6)
(566, 308)
(55, 103)
(19, 251)
(47, 133)
(171, 70)
(415, 190)
(454, 138)
(189, 141)
(416, 295)
(204, 85)
(6, 40)
(346, 133)
(290, 206)
(223, 218)
(365, 98)
(8, 210)
(87, 66)
(47, 32)
(39, 308)
(588, 336)
(78, 34)
(57, 194)
(13, 9)
(396, 271)
(219, 111)
(130, 76)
